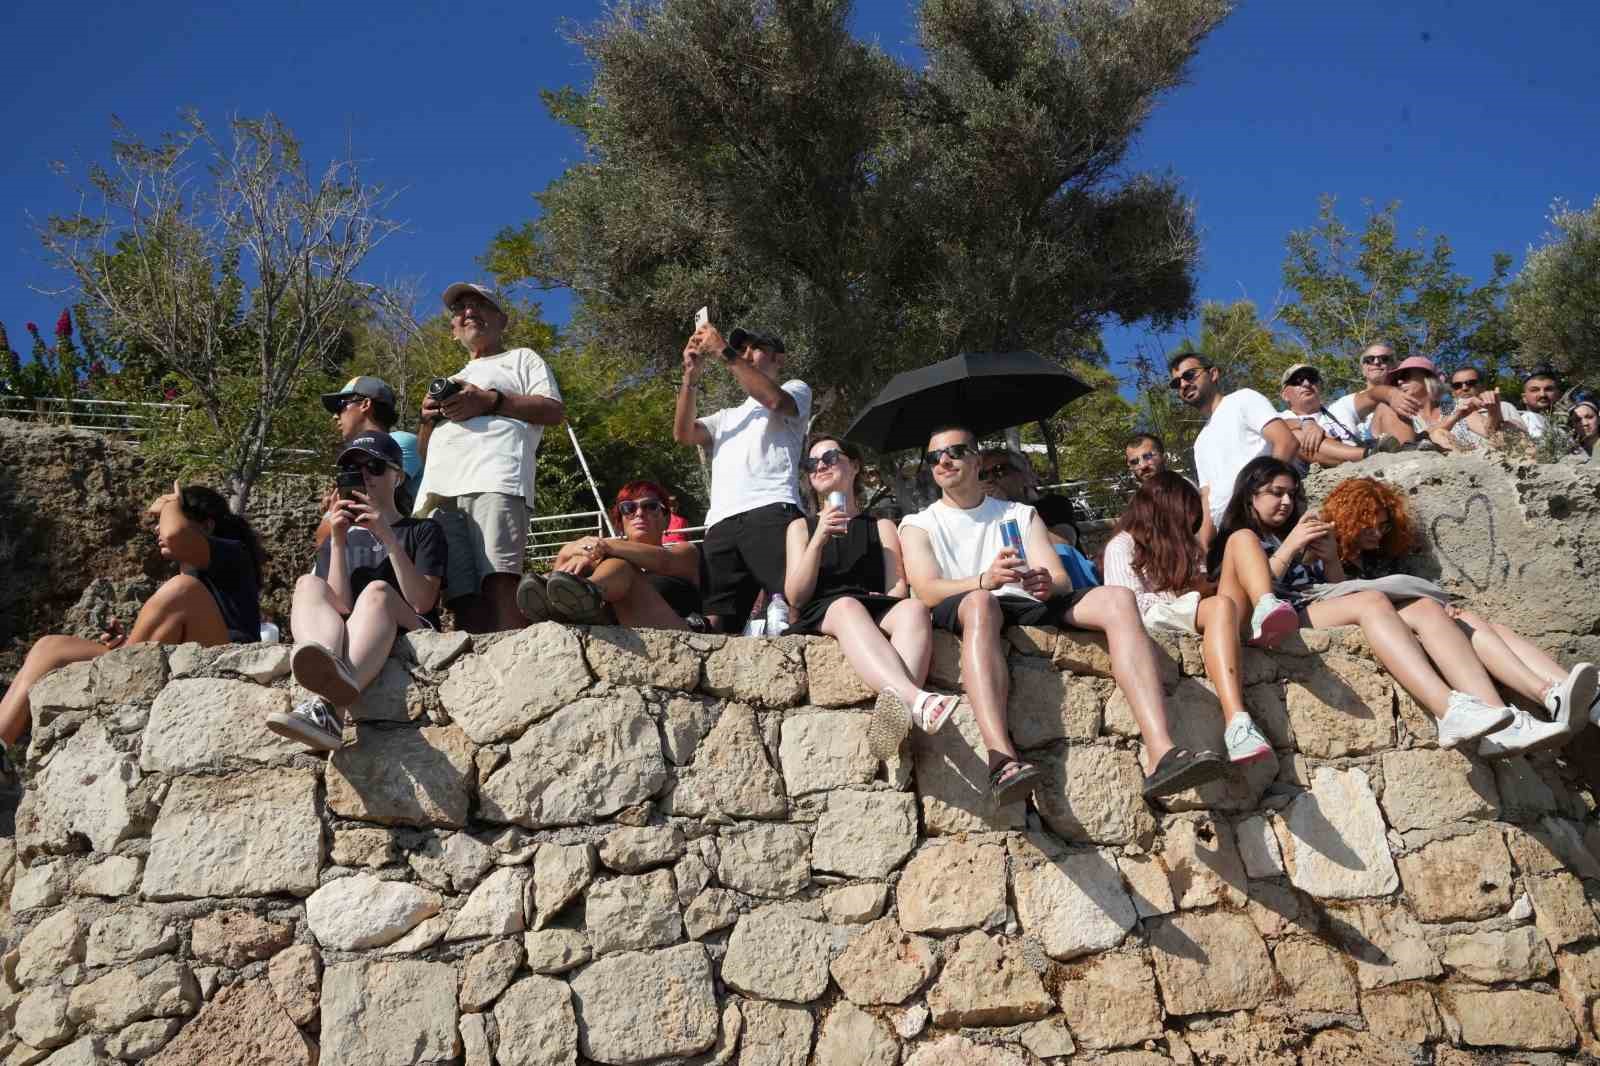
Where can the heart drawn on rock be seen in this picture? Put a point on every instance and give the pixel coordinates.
(1467, 541)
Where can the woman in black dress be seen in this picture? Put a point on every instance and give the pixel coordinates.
(844, 578)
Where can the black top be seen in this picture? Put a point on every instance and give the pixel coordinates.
(368, 559)
(852, 564)
(230, 577)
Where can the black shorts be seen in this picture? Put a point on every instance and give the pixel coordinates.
(1015, 610)
(745, 553)
(808, 619)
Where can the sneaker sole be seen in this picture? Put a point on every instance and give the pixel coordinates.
(317, 671)
(1193, 776)
(890, 725)
(292, 727)
(1583, 696)
(1498, 724)
(1255, 755)
(531, 600)
(1275, 627)
(573, 603)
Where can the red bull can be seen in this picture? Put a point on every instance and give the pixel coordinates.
(1011, 537)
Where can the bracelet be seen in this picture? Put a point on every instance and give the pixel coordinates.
(980, 583)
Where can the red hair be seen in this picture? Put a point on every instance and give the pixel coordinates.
(1353, 507)
(633, 490)
(1163, 518)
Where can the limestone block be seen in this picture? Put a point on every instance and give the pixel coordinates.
(522, 679)
(711, 910)
(1258, 847)
(112, 876)
(432, 651)
(1045, 705)
(642, 1005)
(389, 1012)
(986, 982)
(1385, 941)
(363, 912)
(134, 673)
(1318, 977)
(632, 850)
(775, 955)
(1513, 1018)
(683, 724)
(560, 873)
(85, 790)
(1426, 788)
(363, 847)
(537, 1025)
(1335, 844)
(758, 670)
(41, 885)
(1551, 846)
(1202, 862)
(120, 997)
(496, 907)
(475, 1049)
(864, 834)
(766, 860)
(952, 774)
(233, 938)
(860, 903)
(403, 776)
(85, 1051)
(850, 1034)
(261, 663)
(1090, 793)
(1145, 877)
(1465, 878)
(1110, 1001)
(585, 762)
(1404, 1014)
(825, 751)
(249, 834)
(553, 951)
(633, 913)
(393, 696)
(834, 682)
(775, 1034)
(1074, 903)
(1560, 909)
(295, 975)
(953, 1050)
(946, 888)
(120, 937)
(242, 1026)
(427, 933)
(1524, 795)
(1340, 706)
(58, 942)
(1493, 955)
(730, 774)
(1208, 962)
(42, 1019)
(141, 1040)
(1080, 651)
(203, 722)
(884, 964)
(452, 863)
(944, 669)
(1269, 708)
(656, 657)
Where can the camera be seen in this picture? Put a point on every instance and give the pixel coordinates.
(440, 390)
(348, 483)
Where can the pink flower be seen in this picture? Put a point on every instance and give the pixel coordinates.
(64, 324)
(170, 393)
(33, 328)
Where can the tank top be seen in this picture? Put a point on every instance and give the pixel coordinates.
(852, 564)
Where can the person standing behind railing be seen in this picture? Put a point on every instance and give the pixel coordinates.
(755, 454)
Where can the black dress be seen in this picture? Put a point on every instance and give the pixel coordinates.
(852, 565)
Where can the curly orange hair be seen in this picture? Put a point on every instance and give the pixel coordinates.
(1353, 507)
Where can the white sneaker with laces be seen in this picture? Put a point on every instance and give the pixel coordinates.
(1468, 718)
(1524, 735)
(1244, 740)
(313, 722)
(1570, 697)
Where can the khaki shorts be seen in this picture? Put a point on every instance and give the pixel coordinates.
(485, 533)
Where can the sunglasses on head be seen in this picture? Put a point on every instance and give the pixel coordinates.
(812, 463)
(650, 505)
(1187, 376)
(956, 452)
(1467, 383)
(371, 466)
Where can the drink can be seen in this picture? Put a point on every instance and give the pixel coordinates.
(836, 499)
(1011, 537)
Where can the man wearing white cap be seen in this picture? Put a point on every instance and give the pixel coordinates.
(1339, 422)
(480, 443)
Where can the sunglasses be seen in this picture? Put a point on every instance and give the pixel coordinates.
(1376, 360)
(956, 452)
(649, 505)
(346, 401)
(1187, 376)
(375, 467)
(1469, 383)
(811, 464)
(995, 473)
(1306, 380)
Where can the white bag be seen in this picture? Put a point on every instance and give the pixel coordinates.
(1175, 615)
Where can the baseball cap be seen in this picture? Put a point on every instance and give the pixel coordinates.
(1415, 362)
(375, 389)
(1541, 372)
(760, 338)
(1293, 370)
(377, 444)
(461, 288)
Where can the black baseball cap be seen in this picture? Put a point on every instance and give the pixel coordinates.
(375, 389)
(760, 338)
(376, 444)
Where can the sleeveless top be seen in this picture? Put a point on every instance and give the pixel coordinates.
(852, 564)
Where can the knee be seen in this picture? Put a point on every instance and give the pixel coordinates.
(1226, 612)
(48, 647)
(1375, 602)
(848, 609)
(979, 610)
(375, 596)
(309, 585)
(1426, 612)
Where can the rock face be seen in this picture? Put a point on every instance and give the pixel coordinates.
(600, 846)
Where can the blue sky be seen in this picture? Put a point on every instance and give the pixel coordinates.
(1474, 115)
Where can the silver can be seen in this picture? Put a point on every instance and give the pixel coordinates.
(836, 500)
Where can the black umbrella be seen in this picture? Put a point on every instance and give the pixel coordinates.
(985, 391)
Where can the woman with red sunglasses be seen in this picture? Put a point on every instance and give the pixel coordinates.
(632, 580)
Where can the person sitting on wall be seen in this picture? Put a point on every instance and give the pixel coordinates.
(1375, 532)
(960, 565)
(1418, 379)
(1482, 418)
(214, 599)
(376, 576)
(844, 578)
(634, 580)
(365, 405)
(1155, 551)
(1268, 529)
(1338, 424)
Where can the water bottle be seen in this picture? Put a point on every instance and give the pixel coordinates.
(269, 633)
(777, 615)
(836, 499)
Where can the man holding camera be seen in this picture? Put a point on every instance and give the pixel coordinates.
(480, 441)
(755, 455)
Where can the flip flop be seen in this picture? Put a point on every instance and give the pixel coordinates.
(576, 600)
(1181, 769)
(1012, 781)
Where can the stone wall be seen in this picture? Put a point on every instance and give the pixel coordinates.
(567, 845)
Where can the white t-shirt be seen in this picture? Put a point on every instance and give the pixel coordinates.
(755, 454)
(1231, 438)
(965, 542)
(488, 453)
(1338, 420)
(1534, 422)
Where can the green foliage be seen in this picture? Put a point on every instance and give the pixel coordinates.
(1555, 300)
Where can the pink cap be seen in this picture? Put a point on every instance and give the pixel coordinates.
(1415, 362)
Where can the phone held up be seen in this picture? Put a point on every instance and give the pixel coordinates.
(348, 483)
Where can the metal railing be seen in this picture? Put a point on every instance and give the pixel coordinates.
(548, 533)
(1097, 499)
(118, 418)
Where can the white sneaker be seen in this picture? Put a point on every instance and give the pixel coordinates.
(1244, 740)
(1578, 690)
(1271, 621)
(1524, 735)
(1468, 718)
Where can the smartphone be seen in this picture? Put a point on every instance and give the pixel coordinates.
(348, 483)
(702, 317)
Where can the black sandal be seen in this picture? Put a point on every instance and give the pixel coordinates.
(1181, 769)
(1012, 781)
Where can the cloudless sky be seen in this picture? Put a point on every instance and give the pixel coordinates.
(1475, 115)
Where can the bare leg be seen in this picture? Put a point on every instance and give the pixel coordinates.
(1391, 639)
(47, 654)
(983, 662)
(1384, 420)
(379, 613)
(910, 630)
(313, 618)
(1515, 661)
(1114, 612)
(500, 590)
(615, 579)
(867, 649)
(181, 610)
(1246, 576)
(1218, 620)
(1450, 650)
